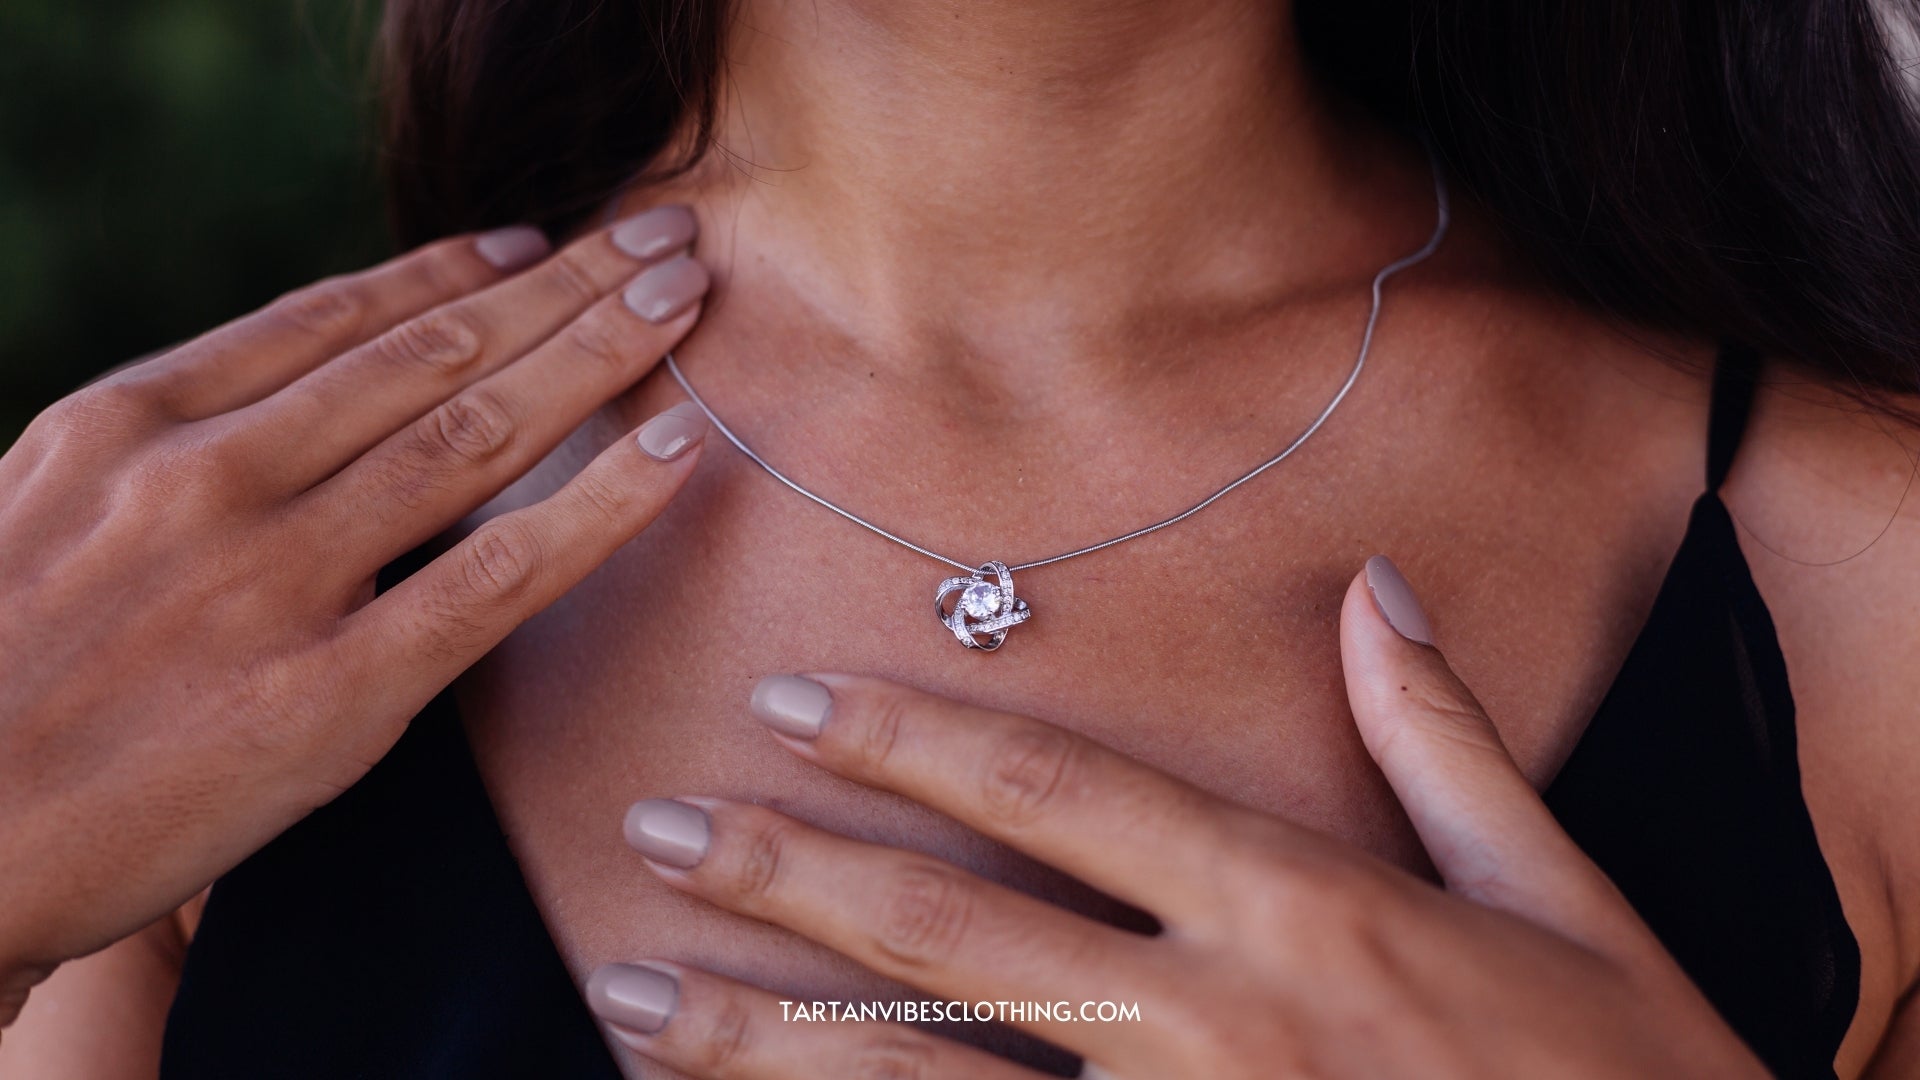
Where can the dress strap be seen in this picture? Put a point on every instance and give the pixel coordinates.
(1735, 374)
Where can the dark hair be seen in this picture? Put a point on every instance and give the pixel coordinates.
(1741, 169)
(503, 111)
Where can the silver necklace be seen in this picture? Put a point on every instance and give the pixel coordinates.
(983, 605)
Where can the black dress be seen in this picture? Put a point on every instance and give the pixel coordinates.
(390, 934)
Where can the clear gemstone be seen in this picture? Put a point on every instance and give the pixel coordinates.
(980, 601)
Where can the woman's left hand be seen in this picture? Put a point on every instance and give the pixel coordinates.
(1283, 952)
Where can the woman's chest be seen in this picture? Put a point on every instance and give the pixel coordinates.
(1209, 650)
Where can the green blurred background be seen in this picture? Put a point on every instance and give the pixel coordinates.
(166, 165)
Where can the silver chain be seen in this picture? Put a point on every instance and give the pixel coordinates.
(1443, 218)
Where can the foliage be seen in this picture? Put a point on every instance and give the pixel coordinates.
(166, 165)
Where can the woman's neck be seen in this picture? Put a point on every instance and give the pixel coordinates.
(1012, 181)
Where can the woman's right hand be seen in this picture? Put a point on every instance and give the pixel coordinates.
(191, 654)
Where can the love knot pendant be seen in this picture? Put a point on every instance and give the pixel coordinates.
(984, 608)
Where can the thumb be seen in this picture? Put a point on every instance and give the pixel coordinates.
(1488, 832)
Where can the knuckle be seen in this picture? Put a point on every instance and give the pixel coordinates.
(570, 272)
(894, 1055)
(601, 497)
(451, 267)
(149, 391)
(752, 876)
(412, 473)
(1026, 772)
(726, 1040)
(448, 629)
(156, 480)
(1272, 897)
(269, 709)
(443, 341)
(197, 470)
(215, 465)
(924, 915)
(330, 310)
(405, 478)
(1440, 719)
(469, 429)
(68, 417)
(1366, 943)
(104, 409)
(878, 722)
(501, 562)
(1446, 703)
(594, 339)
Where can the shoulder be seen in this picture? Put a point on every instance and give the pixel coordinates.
(1827, 501)
(1827, 497)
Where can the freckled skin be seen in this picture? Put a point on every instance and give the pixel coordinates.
(1018, 279)
(1208, 650)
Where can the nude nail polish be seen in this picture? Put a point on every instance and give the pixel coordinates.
(1395, 599)
(652, 234)
(667, 289)
(512, 248)
(673, 432)
(633, 997)
(791, 705)
(668, 832)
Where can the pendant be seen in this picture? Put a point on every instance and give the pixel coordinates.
(985, 607)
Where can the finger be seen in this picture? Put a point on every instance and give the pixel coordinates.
(409, 643)
(437, 469)
(1485, 827)
(1121, 826)
(715, 1028)
(248, 359)
(341, 409)
(905, 915)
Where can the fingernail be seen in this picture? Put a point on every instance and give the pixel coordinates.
(673, 432)
(633, 997)
(791, 705)
(668, 832)
(666, 290)
(656, 232)
(513, 247)
(1395, 599)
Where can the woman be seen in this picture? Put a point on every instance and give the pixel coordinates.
(1008, 282)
